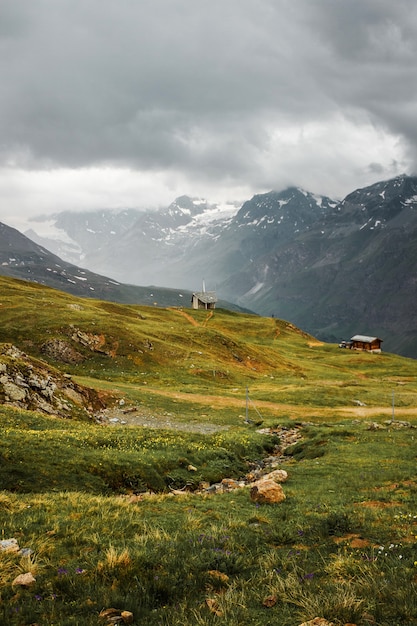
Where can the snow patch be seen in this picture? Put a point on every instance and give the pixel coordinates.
(318, 200)
(47, 229)
(255, 289)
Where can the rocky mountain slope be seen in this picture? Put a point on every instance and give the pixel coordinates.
(353, 271)
(132, 246)
(333, 268)
(20, 257)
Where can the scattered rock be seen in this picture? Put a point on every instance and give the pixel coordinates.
(9, 545)
(24, 580)
(287, 437)
(279, 476)
(25, 551)
(376, 426)
(263, 469)
(398, 424)
(191, 468)
(228, 484)
(267, 492)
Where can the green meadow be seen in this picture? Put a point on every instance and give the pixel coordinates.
(112, 515)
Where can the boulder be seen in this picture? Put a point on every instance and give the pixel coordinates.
(267, 492)
(279, 476)
(24, 580)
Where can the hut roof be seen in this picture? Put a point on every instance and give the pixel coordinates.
(365, 338)
(207, 297)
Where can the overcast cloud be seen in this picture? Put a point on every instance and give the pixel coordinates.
(107, 103)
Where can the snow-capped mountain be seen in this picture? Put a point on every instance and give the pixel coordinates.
(70, 235)
(333, 268)
(132, 245)
(352, 271)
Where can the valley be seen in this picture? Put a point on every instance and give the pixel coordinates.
(129, 459)
(335, 268)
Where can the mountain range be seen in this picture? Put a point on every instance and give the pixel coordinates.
(333, 268)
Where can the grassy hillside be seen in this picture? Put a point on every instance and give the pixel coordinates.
(118, 514)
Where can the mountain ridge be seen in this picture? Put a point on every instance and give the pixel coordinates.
(334, 268)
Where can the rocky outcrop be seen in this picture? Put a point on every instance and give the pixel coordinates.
(94, 342)
(61, 351)
(30, 384)
(76, 347)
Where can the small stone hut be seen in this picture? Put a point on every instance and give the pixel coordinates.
(204, 299)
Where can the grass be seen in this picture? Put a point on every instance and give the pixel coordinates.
(76, 494)
(342, 546)
(41, 453)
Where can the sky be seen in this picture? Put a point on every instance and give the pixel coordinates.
(132, 103)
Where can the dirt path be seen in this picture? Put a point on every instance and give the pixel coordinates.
(188, 317)
(359, 412)
(138, 417)
(192, 321)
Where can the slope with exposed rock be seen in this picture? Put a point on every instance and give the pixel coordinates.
(28, 383)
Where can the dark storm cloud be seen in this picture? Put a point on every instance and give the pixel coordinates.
(198, 85)
(371, 51)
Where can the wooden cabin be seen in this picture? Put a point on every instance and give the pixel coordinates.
(204, 300)
(363, 342)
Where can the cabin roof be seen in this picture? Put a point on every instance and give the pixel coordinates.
(207, 297)
(365, 338)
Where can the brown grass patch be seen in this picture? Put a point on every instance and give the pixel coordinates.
(354, 540)
(392, 487)
(377, 504)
